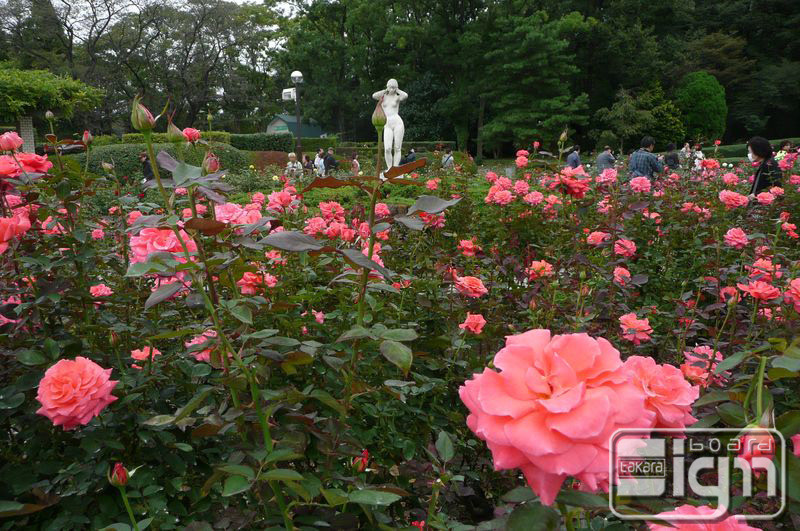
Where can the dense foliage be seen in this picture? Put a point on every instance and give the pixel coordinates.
(467, 64)
(34, 91)
(172, 358)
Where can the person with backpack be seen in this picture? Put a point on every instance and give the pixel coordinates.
(447, 159)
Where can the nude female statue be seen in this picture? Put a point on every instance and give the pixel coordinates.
(395, 129)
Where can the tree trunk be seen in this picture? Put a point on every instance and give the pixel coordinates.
(481, 109)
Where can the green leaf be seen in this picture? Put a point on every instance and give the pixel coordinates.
(786, 362)
(163, 293)
(243, 313)
(533, 516)
(788, 423)
(144, 524)
(707, 421)
(240, 470)
(282, 454)
(357, 332)
(373, 497)
(334, 497)
(356, 258)
(194, 403)
(431, 204)
(731, 414)
(235, 485)
(711, 397)
(398, 334)
(412, 222)
(444, 447)
(159, 420)
(398, 354)
(731, 361)
(9, 506)
(328, 400)
(518, 495)
(290, 240)
(281, 474)
(577, 498)
(31, 357)
(261, 334)
(119, 526)
(12, 401)
(200, 370)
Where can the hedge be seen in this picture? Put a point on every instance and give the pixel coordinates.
(125, 157)
(422, 145)
(740, 150)
(209, 136)
(310, 145)
(262, 142)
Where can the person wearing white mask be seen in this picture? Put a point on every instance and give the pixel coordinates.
(768, 173)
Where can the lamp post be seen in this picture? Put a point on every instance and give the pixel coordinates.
(297, 79)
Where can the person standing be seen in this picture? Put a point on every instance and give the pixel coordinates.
(671, 159)
(147, 169)
(294, 169)
(447, 160)
(768, 173)
(330, 162)
(355, 166)
(643, 163)
(319, 162)
(605, 159)
(698, 156)
(574, 158)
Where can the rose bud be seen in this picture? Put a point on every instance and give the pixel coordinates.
(191, 135)
(118, 475)
(10, 141)
(360, 463)
(379, 117)
(141, 118)
(49, 116)
(87, 138)
(210, 163)
(174, 134)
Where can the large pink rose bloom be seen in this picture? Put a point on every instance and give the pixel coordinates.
(728, 524)
(73, 392)
(552, 408)
(11, 228)
(153, 240)
(668, 394)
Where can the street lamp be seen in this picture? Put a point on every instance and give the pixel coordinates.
(297, 79)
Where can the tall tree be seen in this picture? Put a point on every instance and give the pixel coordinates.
(701, 99)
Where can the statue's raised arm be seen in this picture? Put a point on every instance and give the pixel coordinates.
(393, 132)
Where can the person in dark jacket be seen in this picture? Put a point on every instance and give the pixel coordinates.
(768, 173)
(605, 160)
(642, 162)
(147, 169)
(671, 159)
(330, 162)
(574, 158)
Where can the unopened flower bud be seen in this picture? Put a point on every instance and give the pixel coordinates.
(49, 116)
(87, 138)
(107, 166)
(379, 117)
(113, 338)
(141, 118)
(174, 134)
(210, 163)
(118, 475)
(563, 137)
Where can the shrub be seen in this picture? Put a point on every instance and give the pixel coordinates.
(310, 145)
(701, 99)
(125, 157)
(105, 140)
(262, 142)
(209, 136)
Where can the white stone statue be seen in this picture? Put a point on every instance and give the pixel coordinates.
(395, 129)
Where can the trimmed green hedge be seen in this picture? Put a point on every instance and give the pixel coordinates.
(422, 145)
(125, 157)
(740, 150)
(262, 142)
(310, 145)
(161, 138)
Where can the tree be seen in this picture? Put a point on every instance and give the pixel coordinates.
(626, 118)
(667, 126)
(29, 91)
(528, 94)
(701, 99)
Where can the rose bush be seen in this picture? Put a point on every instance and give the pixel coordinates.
(289, 354)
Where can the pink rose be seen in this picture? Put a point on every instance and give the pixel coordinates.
(10, 141)
(730, 179)
(468, 247)
(732, 199)
(331, 210)
(132, 216)
(539, 269)
(492, 177)
(141, 354)
(98, 234)
(760, 290)
(259, 198)
(100, 290)
(729, 292)
(796, 444)
(625, 247)
(597, 237)
(634, 329)
(736, 238)
(701, 362)
(33, 163)
(521, 187)
(521, 162)
(191, 135)
(755, 447)
(552, 407)
(640, 184)
(765, 198)
(11, 228)
(522, 153)
(152, 240)
(203, 345)
(432, 184)
(315, 225)
(608, 175)
(667, 393)
(533, 198)
(319, 316)
(792, 294)
(728, 524)
(73, 392)
(621, 275)
(474, 323)
(382, 210)
(251, 283)
(280, 201)
(470, 286)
